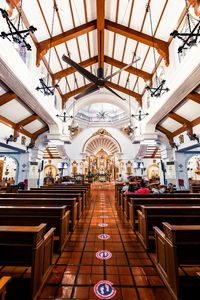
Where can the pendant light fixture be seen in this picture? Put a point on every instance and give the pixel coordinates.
(64, 116)
(129, 130)
(45, 88)
(159, 88)
(140, 115)
(73, 128)
(15, 34)
(191, 35)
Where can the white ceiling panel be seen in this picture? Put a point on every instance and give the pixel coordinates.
(34, 126)
(83, 44)
(130, 49)
(33, 14)
(170, 124)
(48, 11)
(78, 12)
(166, 27)
(14, 111)
(141, 52)
(149, 62)
(93, 42)
(119, 47)
(3, 89)
(124, 12)
(73, 49)
(61, 49)
(110, 10)
(65, 14)
(139, 9)
(54, 62)
(189, 110)
(108, 47)
(91, 9)
(156, 10)
(123, 78)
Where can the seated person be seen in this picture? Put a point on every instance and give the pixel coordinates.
(131, 190)
(126, 186)
(162, 189)
(143, 189)
(154, 189)
(170, 188)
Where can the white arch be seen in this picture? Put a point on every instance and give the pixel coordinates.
(101, 98)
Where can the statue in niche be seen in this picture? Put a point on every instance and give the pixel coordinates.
(129, 168)
(181, 139)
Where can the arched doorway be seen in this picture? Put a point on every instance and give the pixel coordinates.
(193, 169)
(8, 169)
(153, 172)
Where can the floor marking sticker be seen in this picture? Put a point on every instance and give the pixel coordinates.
(104, 254)
(103, 217)
(104, 290)
(102, 225)
(103, 236)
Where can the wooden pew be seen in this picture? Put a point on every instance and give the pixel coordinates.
(137, 202)
(29, 246)
(82, 192)
(118, 188)
(57, 217)
(150, 216)
(26, 201)
(73, 189)
(55, 194)
(177, 245)
(3, 282)
(127, 199)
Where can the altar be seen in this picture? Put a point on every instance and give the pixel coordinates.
(102, 177)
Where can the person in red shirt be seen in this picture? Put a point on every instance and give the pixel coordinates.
(143, 189)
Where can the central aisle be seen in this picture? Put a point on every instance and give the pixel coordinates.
(127, 266)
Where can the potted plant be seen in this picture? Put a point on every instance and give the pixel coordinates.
(90, 177)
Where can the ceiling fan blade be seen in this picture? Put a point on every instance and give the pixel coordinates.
(88, 75)
(124, 68)
(88, 91)
(111, 90)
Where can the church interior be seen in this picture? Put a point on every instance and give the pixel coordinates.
(99, 149)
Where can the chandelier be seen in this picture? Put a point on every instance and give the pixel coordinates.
(129, 130)
(159, 88)
(15, 34)
(44, 87)
(73, 128)
(141, 115)
(189, 38)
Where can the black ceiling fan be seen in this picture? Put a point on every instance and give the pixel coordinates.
(98, 81)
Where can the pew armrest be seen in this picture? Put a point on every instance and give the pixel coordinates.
(3, 281)
(159, 231)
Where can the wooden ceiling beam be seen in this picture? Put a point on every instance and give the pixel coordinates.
(44, 46)
(168, 133)
(66, 96)
(13, 125)
(70, 70)
(37, 133)
(161, 46)
(49, 152)
(178, 118)
(118, 64)
(28, 120)
(196, 5)
(7, 97)
(194, 97)
(155, 152)
(137, 96)
(100, 5)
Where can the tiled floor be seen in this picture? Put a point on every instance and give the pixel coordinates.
(130, 269)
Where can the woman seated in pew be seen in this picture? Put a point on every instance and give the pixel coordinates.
(131, 190)
(143, 189)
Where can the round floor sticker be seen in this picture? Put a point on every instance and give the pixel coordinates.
(102, 225)
(104, 290)
(104, 236)
(103, 254)
(103, 217)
